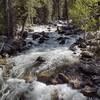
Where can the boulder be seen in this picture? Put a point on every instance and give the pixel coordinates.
(61, 40)
(92, 42)
(19, 44)
(45, 35)
(90, 35)
(78, 31)
(87, 54)
(79, 41)
(66, 28)
(87, 69)
(61, 32)
(97, 50)
(42, 40)
(35, 36)
(96, 79)
(82, 45)
(89, 91)
(39, 61)
(45, 77)
(73, 47)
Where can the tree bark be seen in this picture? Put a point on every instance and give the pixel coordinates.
(56, 10)
(65, 11)
(10, 19)
(24, 22)
(58, 4)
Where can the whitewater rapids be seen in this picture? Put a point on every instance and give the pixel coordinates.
(55, 56)
(19, 90)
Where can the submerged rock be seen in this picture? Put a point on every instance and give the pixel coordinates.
(35, 36)
(42, 40)
(40, 59)
(62, 41)
(44, 34)
(59, 38)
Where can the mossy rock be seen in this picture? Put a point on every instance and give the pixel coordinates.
(3, 61)
(46, 73)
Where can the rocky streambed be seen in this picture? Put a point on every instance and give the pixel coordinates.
(51, 69)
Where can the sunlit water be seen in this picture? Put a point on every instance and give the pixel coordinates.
(55, 56)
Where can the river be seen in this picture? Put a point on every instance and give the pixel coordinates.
(55, 55)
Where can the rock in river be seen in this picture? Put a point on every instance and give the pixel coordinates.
(87, 54)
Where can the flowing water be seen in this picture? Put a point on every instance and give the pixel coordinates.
(55, 56)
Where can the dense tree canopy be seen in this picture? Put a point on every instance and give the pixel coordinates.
(19, 12)
(86, 12)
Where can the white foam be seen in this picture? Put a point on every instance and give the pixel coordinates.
(56, 55)
(39, 91)
(41, 28)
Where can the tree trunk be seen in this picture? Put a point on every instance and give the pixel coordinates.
(97, 23)
(65, 10)
(24, 22)
(56, 10)
(10, 19)
(58, 3)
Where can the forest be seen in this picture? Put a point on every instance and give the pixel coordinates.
(49, 49)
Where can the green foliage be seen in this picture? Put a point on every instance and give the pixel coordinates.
(83, 13)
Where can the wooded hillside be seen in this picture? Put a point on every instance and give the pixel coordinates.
(85, 13)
